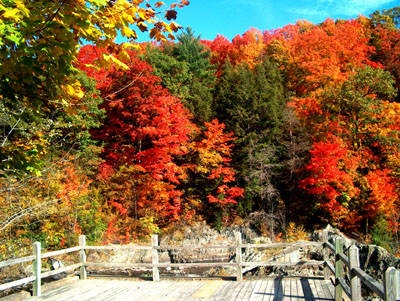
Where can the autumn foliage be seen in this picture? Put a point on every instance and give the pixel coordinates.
(118, 141)
(147, 135)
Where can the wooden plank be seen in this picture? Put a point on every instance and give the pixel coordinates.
(320, 290)
(306, 289)
(61, 270)
(370, 282)
(222, 291)
(296, 290)
(110, 289)
(60, 252)
(339, 270)
(314, 291)
(16, 283)
(207, 290)
(154, 257)
(255, 294)
(118, 247)
(355, 282)
(9, 262)
(392, 285)
(328, 289)
(235, 288)
(278, 288)
(246, 291)
(269, 292)
(284, 264)
(151, 294)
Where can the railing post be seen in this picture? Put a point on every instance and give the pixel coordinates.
(82, 257)
(391, 284)
(338, 268)
(355, 282)
(239, 274)
(154, 257)
(325, 253)
(37, 269)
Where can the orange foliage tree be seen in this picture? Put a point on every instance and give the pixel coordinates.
(149, 142)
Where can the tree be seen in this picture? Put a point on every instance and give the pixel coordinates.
(386, 40)
(221, 52)
(363, 139)
(190, 64)
(250, 102)
(38, 45)
(144, 133)
(248, 48)
(387, 17)
(211, 185)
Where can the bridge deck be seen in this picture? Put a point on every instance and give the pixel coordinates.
(263, 289)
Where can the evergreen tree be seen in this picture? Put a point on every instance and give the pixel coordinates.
(186, 71)
(251, 103)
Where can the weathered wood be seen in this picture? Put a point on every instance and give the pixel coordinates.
(392, 284)
(329, 246)
(343, 258)
(82, 257)
(283, 264)
(10, 262)
(118, 247)
(61, 270)
(60, 252)
(244, 290)
(239, 274)
(345, 287)
(370, 282)
(16, 283)
(119, 265)
(338, 268)
(325, 254)
(355, 282)
(330, 266)
(154, 257)
(37, 268)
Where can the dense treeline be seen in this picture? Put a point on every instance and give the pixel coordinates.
(299, 124)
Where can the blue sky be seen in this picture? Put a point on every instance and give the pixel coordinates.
(231, 17)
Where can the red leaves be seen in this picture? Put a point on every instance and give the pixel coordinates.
(383, 192)
(145, 128)
(328, 179)
(215, 151)
(145, 132)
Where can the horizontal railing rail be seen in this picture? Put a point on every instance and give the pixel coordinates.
(347, 266)
(343, 263)
(37, 267)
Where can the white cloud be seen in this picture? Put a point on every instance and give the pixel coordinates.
(319, 10)
(353, 8)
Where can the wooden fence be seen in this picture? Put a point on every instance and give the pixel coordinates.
(389, 290)
(347, 266)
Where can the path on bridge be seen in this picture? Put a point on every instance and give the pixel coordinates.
(277, 289)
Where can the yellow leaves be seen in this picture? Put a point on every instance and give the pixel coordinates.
(12, 14)
(111, 60)
(127, 32)
(73, 90)
(16, 13)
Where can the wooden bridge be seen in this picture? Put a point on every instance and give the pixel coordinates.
(343, 278)
(188, 290)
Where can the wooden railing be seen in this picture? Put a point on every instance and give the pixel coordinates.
(389, 290)
(36, 260)
(347, 266)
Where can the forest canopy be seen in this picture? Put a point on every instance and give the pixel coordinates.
(117, 141)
